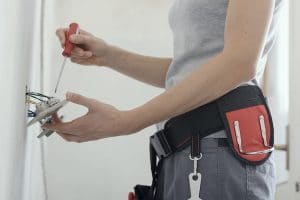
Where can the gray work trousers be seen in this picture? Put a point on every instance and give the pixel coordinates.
(223, 176)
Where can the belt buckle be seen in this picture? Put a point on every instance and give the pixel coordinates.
(160, 144)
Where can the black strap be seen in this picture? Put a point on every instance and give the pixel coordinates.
(155, 170)
(199, 122)
(205, 119)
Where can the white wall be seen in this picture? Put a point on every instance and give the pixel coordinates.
(278, 89)
(12, 128)
(294, 98)
(20, 175)
(288, 189)
(106, 169)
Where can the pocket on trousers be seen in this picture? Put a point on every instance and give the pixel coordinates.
(261, 180)
(232, 176)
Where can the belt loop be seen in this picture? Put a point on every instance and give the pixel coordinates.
(195, 146)
(153, 160)
(160, 144)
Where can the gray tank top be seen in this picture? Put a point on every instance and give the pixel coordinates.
(198, 32)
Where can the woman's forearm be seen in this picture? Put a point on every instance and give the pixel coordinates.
(207, 83)
(150, 70)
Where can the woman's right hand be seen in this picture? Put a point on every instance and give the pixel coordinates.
(88, 49)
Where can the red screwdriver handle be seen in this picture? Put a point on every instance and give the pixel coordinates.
(73, 29)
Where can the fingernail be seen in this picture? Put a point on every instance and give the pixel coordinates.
(89, 54)
(81, 53)
(45, 127)
(72, 37)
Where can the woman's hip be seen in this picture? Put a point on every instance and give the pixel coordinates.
(223, 176)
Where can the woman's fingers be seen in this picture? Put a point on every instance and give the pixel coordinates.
(81, 61)
(77, 51)
(81, 39)
(78, 60)
(84, 32)
(61, 34)
(74, 138)
(80, 53)
(56, 118)
(71, 138)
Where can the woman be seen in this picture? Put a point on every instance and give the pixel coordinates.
(218, 46)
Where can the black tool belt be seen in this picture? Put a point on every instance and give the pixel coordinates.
(244, 115)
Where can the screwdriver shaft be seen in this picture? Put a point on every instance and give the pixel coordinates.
(60, 73)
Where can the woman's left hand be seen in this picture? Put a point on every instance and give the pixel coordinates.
(101, 121)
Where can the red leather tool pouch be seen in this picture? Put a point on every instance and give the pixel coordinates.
(248, 124)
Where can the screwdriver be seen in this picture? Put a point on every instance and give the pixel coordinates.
(73, 29)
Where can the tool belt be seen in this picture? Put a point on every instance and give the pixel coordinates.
(244, 115)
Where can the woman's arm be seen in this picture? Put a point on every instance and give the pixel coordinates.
(246, 28)
(150, 70)
(90, 50)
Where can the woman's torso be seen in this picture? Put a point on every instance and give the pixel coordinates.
(198, 35)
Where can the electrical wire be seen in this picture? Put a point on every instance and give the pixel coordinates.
(38, 95)
(41, 100)
(31, 113)
(30, 101)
